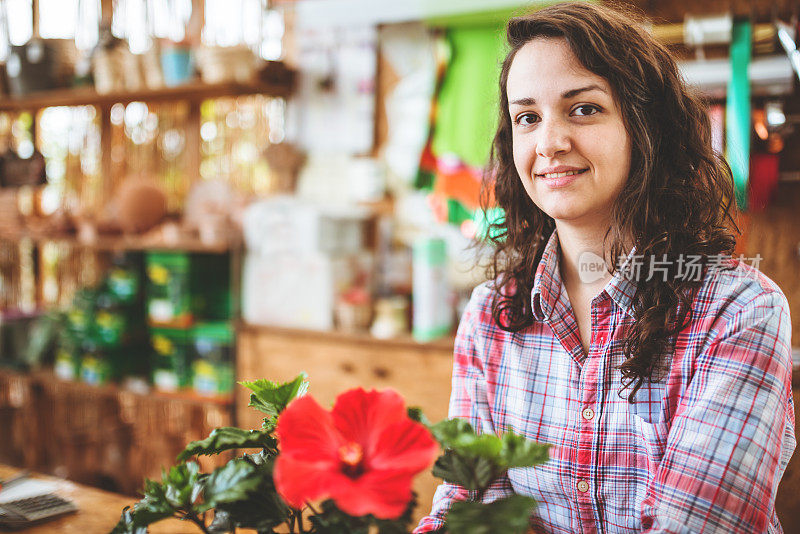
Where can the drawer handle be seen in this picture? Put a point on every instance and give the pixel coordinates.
(380, 372)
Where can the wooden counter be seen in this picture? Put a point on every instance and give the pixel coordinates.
(336, 362)
(98, 511)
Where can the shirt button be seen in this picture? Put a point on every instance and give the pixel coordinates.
(588, 413)
(583, 486)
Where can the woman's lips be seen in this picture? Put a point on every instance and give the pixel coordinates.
(561, 181)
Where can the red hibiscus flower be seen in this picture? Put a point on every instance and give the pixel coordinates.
(363, 454)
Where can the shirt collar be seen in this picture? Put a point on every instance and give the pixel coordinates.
(547, 282)
(622, 288)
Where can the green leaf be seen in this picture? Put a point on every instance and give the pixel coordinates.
(272, 398)
(153, 507)
(470, 471)
(126, 525)
(231, 482)
(227, 438)
(458, 434)
(486, 446)
(175, 494)
(331, 520)
(149, 514)
(475, 460)
(268, 424)
(510, 516)
(450, 432)
(182, 485)
(518, 451)
(262, 509)
(401, 525)
(415, 414)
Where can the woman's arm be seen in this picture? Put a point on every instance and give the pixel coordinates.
(733, 435)
(468, 400)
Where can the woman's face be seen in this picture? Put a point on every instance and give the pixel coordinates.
(570, 145)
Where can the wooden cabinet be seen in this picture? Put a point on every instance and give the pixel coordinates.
(337, 362)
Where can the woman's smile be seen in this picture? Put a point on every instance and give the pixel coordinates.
(561, 175)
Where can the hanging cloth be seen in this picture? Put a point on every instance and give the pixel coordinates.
(738, 109)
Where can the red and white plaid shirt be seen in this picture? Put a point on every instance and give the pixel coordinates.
(703, 451)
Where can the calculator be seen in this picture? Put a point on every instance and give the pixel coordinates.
(24, 512)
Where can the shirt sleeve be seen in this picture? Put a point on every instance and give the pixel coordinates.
(733, 434)
(468, 400)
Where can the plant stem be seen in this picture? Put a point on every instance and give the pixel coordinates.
(197, 521)
(300, 521)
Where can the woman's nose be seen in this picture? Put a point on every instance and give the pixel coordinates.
(553, 138)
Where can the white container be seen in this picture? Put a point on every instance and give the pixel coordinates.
(299, 290)
(287, 224)
(432, 309)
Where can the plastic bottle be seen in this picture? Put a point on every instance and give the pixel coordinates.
(432, 311)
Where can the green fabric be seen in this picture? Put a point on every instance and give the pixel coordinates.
(482, 222)
(467, 113)
(493, 17)
(457, 212)
(738, 109)
(496, 18)
(424, 179)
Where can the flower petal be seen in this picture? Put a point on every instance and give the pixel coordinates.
(361, 416)
(384, 494)
(306, 432)
(299, 482)
(403, 446)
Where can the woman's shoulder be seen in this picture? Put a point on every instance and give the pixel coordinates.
(481, 301)
(726, 292)
(484, 292)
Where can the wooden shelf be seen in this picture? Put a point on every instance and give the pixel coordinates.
(188, 397)
(362, 338)
(120, 242)
(88, 96)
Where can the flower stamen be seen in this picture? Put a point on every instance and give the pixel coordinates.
(351, 456)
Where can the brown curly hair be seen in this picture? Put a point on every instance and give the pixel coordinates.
(677, 199)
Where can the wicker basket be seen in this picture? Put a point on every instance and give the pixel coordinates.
(10, 220)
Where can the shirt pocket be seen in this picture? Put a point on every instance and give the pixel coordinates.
(653, 437)
(649, 424)
(649, 402)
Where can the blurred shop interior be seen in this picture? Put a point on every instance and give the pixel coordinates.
(198, 192)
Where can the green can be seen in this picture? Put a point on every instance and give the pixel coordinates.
(168, 296)
(171, 369)
(124, 279)
(212, 358)
(96, 368)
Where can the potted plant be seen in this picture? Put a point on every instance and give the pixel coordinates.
(345, 470)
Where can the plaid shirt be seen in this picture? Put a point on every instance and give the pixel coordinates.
(703, 451)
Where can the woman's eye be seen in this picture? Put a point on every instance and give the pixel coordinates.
(526, 119)
(586, 109)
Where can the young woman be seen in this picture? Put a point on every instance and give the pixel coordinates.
(662, 384)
